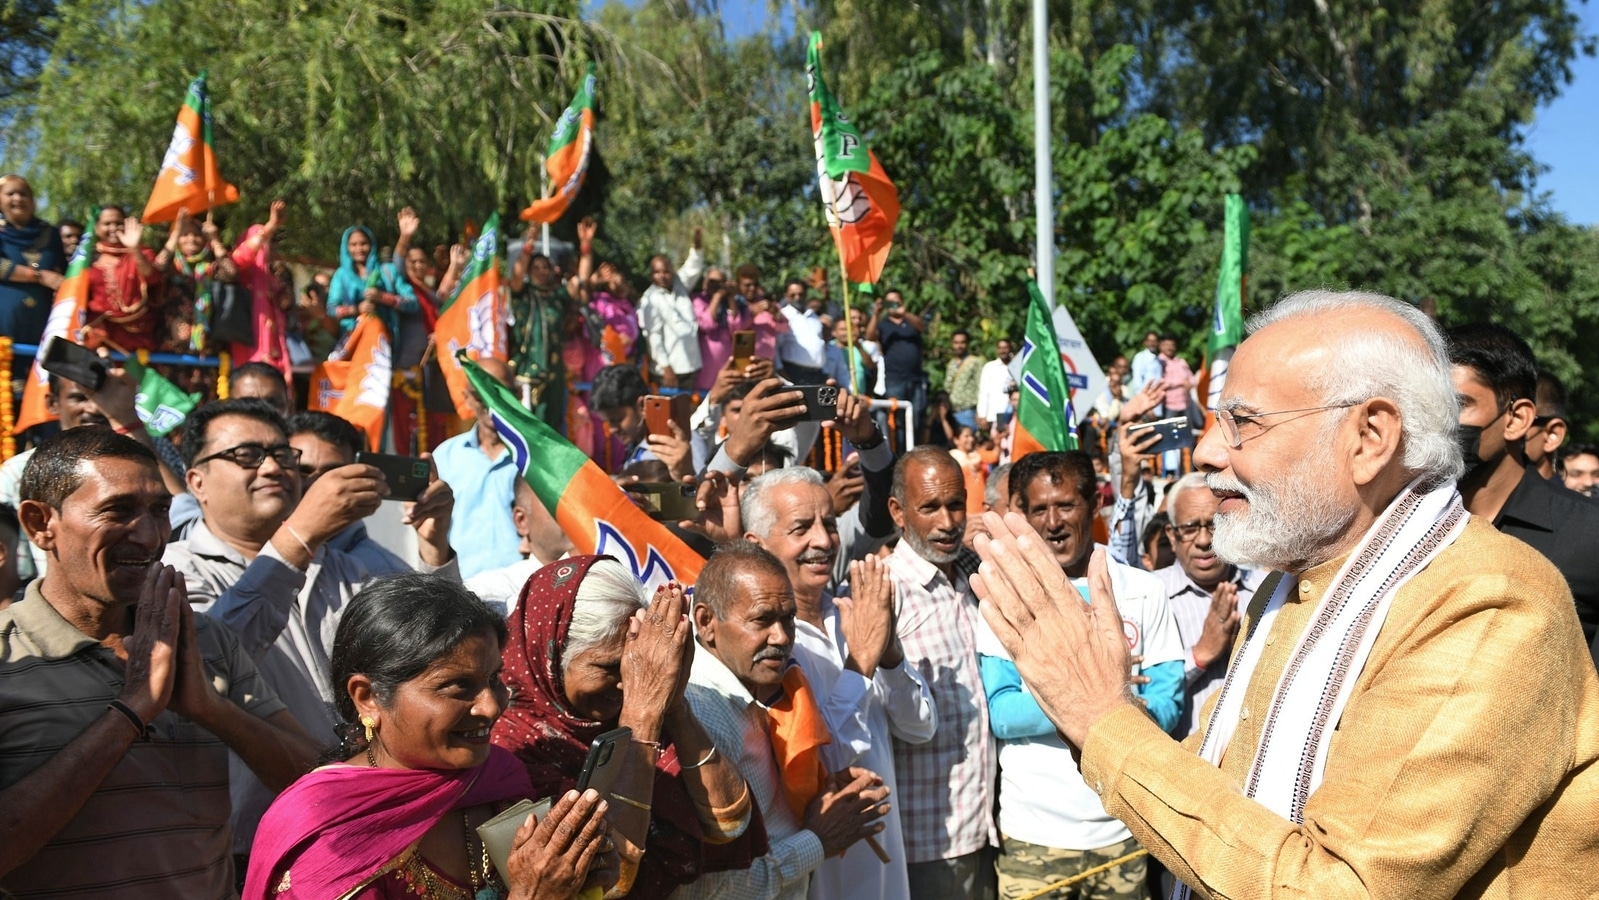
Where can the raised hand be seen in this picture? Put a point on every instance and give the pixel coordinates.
(132, 232)
(430, 515)
(846, 485)
(854, 417)
(275, 217)
(717, 500)
(867, 618)
(848, 810)
(653, 662)
(1072, 656)
(770, 407)
(1221, 625)
(409, 222)
(552, 858)
(460, 255)
(339, 498)
(677, 451)
(1147, 398)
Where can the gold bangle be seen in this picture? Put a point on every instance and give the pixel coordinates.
(631, 802)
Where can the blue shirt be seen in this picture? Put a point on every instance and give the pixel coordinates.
(481, 528)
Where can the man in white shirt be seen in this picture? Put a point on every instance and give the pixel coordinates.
(666, 318)
(744, 624)
(852, 659)
(802, 350)
(993, 389)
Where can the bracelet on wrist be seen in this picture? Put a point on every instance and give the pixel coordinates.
(703, 760)
(873, 442)
(139, 725)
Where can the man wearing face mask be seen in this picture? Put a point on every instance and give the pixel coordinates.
(1495, 377)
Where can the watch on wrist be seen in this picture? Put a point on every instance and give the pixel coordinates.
(873, 442)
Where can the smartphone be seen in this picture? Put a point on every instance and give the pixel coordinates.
(743, 349)
(74, 362)
(407, 476)
(1175, 434)
(660, 412)
(606, 755)
(667, 501)
(821, 401)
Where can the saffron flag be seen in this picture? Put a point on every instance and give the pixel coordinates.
(593, 511)
(567, 160)
(1227, 321)
(474, 318)
(161, 405)
(861, 204)
(66, 318)
(189, 178)
(366, 357)
(1044, 418)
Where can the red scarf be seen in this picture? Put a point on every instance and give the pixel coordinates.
(552, 741)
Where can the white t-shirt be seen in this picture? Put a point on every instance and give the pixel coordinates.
(1043, 799)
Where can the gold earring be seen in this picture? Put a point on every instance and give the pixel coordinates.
(371, 726)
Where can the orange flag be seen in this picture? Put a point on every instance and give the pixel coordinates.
(861, 204)
(364, 402)
(567, 160)
(474, 319)
(66, 318)
(798, 734)
(189, 178)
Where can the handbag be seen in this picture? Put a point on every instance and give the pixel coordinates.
(232, 313)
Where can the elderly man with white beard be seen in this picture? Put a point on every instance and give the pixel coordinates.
(847, 647)
(1375, 735)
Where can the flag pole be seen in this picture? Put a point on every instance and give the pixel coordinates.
(849, 324)
(1043, 188)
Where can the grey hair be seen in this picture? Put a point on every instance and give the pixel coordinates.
(1190, 482)
(755, 508)
(996, 488)
(607, 597)
(1379, 362)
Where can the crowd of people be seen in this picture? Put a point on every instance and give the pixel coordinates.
(1292, 660)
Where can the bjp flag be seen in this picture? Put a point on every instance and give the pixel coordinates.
(189, 178)
(66, 317)
(567, 160)
(861, 204)
(474, 318)
(367, 358)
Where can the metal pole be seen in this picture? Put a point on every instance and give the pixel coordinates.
(1043, 190)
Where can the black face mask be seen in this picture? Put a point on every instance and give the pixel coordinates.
(1469, 437)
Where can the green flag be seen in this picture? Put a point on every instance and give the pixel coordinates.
(1043, 413)
(161, 405)
(842, 149)
(1227, 325)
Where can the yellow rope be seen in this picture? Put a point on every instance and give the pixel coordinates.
(8, 440)
(224, 366)
(1083, 876)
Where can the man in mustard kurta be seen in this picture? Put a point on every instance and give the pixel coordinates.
(1409, 711)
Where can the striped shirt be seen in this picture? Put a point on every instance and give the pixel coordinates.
(946, 786)
(157, 826)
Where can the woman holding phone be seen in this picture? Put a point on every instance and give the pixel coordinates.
(416, 662)
(589, 651)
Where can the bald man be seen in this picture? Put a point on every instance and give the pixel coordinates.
(481, 471)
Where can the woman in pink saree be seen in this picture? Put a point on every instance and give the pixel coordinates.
(416, 660)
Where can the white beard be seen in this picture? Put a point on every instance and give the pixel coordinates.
(1287, 527)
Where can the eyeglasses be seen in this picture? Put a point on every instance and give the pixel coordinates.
(1190, 530)
(1230, 420)
(251, 456)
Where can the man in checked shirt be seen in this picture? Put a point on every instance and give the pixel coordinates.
(946, 786)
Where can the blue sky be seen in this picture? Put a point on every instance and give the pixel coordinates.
(1563, 137)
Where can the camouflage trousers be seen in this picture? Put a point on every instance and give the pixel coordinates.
(1026, 868)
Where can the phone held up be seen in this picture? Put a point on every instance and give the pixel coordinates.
(407, 476)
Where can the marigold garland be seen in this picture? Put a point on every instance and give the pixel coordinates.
(8, 440)
(224, 367)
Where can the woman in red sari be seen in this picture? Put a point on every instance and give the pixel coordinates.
(416, 659)
(589, 651)
(253, 256)
(125, 289)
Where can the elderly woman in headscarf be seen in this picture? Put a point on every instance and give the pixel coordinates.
(363, 283)
(31, 263)
(589, 651)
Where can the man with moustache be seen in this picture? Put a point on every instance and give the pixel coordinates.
(1375, 736)
(741, 688)
(851, 657)
(946, 784)
(1206, 594)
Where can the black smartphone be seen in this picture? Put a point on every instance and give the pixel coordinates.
(74, 362)
(407, 476)
(667, 501)
(606, 755)
(1175, 434)
(821, 401)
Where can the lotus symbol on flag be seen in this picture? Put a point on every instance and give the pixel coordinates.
(484, 248)
(182, 143)
(850, 202)
(482, 324)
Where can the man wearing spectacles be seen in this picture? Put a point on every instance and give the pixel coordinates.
(1206, 594)
(261, 560)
